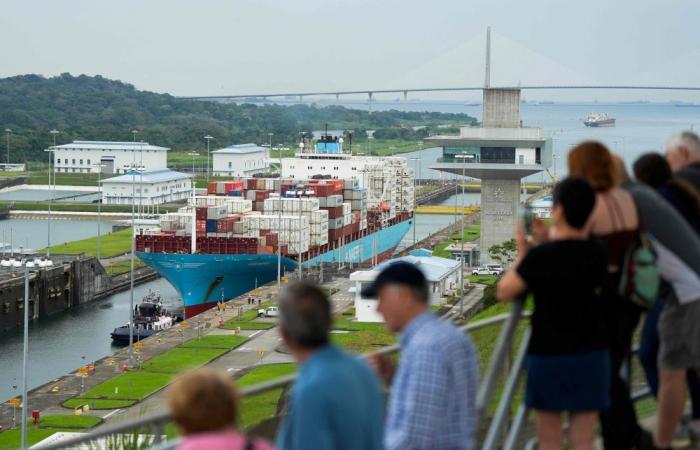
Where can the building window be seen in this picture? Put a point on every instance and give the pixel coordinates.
(81, 162)
(229, 164)
(88, 162)
(58, 161)
(73, 169)
(73, 160)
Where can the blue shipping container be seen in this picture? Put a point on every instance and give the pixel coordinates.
(211, 225)
(235, 193)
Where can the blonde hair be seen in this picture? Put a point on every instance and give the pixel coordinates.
(205, 400)
(593, 161)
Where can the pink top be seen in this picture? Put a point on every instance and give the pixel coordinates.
(229, 440)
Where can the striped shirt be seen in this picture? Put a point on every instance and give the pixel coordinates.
(432, 401)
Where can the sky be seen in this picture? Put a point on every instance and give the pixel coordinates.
(215, 47)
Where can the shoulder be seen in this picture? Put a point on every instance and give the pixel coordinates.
(439, 338)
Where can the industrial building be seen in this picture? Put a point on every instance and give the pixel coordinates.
(108, 156)
(147, 188)
(240, 160)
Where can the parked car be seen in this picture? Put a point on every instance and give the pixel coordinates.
(481, 271)
(272, 311)
(495, 269)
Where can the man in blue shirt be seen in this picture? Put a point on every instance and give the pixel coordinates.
(433, 394)
(336, 402)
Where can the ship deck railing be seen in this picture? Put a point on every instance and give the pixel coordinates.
(498, 397)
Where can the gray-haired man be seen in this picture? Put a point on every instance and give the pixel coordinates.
(336, 402)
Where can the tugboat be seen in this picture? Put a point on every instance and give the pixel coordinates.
(598, 120)
(149, 318)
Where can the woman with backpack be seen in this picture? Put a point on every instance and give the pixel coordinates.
(653, 170)
(615, 222)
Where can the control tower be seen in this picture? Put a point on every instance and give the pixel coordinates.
(501, 152)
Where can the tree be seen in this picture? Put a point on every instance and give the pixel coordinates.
(503, 253)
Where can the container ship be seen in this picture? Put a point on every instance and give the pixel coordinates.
(598, 120)
(325, 206)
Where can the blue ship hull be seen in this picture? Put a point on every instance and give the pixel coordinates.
(203, 279)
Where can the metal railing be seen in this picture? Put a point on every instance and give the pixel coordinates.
(156, 423)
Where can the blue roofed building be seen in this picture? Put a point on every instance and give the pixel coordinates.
(147, 188)
(240, 160)
(442, 275)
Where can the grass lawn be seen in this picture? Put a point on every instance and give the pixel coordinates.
(247, 321)
(181, 359)
(362, 337)
(68, 421)
(263, 406)
(471, 233)
(74, 207)
(483, 279)
(130, 386)
(12, 438)
(123, 267)
(216, 341)
(95, 403)
(112, 244)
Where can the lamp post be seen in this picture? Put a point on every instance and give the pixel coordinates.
(25, 351)
(8, 131)
(464, 157)
(133, 172)
(99, 208)
(279, 219)
(208, 138)
(301, 150)
(193, 154)
(414, 196)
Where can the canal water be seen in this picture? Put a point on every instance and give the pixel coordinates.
(33, 233)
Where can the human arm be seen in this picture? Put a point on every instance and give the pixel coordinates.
(306, 427)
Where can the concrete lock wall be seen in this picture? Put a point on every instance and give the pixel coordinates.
(499, 213)
(501, 108)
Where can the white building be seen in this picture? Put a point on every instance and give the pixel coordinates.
(240, 160)
(148, 188)
(115, 157)
(442, 275)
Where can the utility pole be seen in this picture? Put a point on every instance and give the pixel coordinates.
(8, 131)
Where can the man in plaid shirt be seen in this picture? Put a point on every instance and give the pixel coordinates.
(433, 392)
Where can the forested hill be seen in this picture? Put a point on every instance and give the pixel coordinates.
(96, 108)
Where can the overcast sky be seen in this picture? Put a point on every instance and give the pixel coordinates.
(208, 47)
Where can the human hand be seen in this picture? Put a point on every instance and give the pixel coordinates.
(540, 230)
(383, 366)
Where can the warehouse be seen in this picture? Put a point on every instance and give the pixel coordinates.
(158, 186)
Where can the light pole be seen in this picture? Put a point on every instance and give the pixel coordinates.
(193, 154)
(464, 157)
(301, 150)
(50, 151)
(133, 172)
(8, 131)
(414, 197)
(25, 351)
(99, 208)
(279, 219)
(208, 138)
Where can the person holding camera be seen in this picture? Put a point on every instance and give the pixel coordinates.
(568, 363)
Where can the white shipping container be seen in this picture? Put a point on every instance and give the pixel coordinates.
(238, 205)
(363, 224)
(347, 219)
(331, 201)
(319, 216)
(217, 212)
(334, 224)
(358, 205)
(319, 239)
(346, 208)
(319, 228)
(240, 228)
(350, 183)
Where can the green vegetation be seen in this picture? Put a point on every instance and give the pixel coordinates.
(74, 207)
(123, 267)
(127, 388)
(247, 321)
(181, 359)
(471, 233)
(68, 421)
(112, 244)
(483, 279)
(254, 409)
(11, 438)
(361, 337)
(85, 107)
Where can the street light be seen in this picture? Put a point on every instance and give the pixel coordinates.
(99, 207)
(464, 157)
(193, 154)
(208, 138)
(414, 196)
(279, 219)
(8, 131)
(301, 150)
(133, 172)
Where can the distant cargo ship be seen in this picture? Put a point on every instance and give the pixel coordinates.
(598, 120)
(334, 207)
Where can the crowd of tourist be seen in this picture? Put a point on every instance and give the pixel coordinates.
(616, 251)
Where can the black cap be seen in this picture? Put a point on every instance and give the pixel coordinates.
(396, 273)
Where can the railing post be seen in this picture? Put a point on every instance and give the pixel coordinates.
(490, 378)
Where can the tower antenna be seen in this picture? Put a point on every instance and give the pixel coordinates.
(487, 79)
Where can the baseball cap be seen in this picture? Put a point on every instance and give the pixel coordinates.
(396, 273)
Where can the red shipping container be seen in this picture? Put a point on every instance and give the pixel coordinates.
(201, 213)
(201, 225)
(334, 213)
(211, 187)
(233, 186)
(224, 226)
(271, 239)
(251, 183)
(261, 195)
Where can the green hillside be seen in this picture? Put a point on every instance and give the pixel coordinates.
(96, 108)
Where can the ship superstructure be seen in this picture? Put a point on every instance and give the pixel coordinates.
(598, 120)
(327, 206)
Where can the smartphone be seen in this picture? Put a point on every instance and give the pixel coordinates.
(527, 218)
